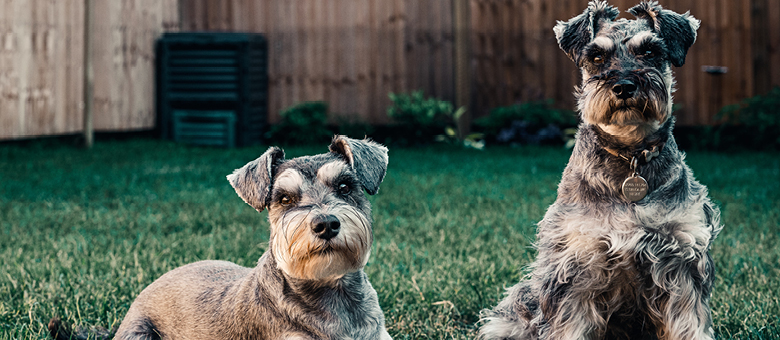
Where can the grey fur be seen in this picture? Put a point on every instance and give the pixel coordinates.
(252, 182)
(368, 159)
(574, 34)
(607, 268)
(678, 31)
(305, 286)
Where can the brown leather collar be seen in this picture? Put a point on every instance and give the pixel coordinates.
(644, 156)
(643, 152)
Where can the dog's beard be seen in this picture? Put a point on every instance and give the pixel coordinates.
(650, 106)
(302, 255)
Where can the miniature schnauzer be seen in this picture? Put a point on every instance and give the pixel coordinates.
(309, 285)
(623, 253)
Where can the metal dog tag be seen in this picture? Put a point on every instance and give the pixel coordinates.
(635, 188)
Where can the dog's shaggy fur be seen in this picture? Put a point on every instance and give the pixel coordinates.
(609, 268)
(309, 284)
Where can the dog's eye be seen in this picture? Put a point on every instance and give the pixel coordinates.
(344, 189)
(648, 54)
(285, 200)
(598, 59)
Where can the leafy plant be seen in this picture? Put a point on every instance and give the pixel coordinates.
(755, 121)
(452, 136)
(303, 123)
(419, 118)
(415, 109)
(422, 120)
(527, 123)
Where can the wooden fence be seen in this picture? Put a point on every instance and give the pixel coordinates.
(41, 60)
(351, 53)
(517, 57)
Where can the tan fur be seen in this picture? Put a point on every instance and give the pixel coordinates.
(309, 285)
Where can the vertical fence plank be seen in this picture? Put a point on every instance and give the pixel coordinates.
(9, 72)
(411, 53)
(400, 21)
(773, 11)
(376, 55)
(462, 58)
(330, 54)
(759, 31)
(361, 50)
(690, 74)
(315, 50)
(71, 87)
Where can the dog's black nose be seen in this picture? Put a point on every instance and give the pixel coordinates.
(326, 227)
(624, 89)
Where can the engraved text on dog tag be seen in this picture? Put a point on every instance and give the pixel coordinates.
(635, 188)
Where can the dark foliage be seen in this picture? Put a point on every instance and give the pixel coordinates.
(753, 123)
(302, 124)
(526, 123)
(419, 119)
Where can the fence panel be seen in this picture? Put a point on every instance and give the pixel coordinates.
(40, 67)
(124, 55)
(351, 53)
(42, 53)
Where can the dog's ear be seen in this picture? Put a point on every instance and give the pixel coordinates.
(367, 158)
(677, 30)
(253, 181)
(575, 34)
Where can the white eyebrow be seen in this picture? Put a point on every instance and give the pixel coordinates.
(290, 180)
(604, 43)
(329, 172)
(638, 39)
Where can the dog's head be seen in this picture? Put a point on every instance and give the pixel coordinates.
(626, 64)
(320, 218)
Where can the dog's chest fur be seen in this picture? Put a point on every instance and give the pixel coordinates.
(234, 302)
(593, 230)
(321, 310)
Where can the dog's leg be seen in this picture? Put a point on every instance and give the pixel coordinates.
(678, 299)
(568, 300)
(686, 314)
(575, 318)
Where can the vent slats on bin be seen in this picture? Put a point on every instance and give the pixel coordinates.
(206, 78)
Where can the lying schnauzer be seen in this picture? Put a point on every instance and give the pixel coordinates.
(309, 285)
(623, 253)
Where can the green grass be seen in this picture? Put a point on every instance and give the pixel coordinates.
(83, 232)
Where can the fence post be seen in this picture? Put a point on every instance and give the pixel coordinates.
(462, 26)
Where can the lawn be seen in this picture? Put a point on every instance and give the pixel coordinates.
(83, 232)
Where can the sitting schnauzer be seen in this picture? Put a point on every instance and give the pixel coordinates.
(623, 253)
(309, 285)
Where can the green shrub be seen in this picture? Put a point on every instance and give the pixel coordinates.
(753, 123)
(420, 119)
(303, 123)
